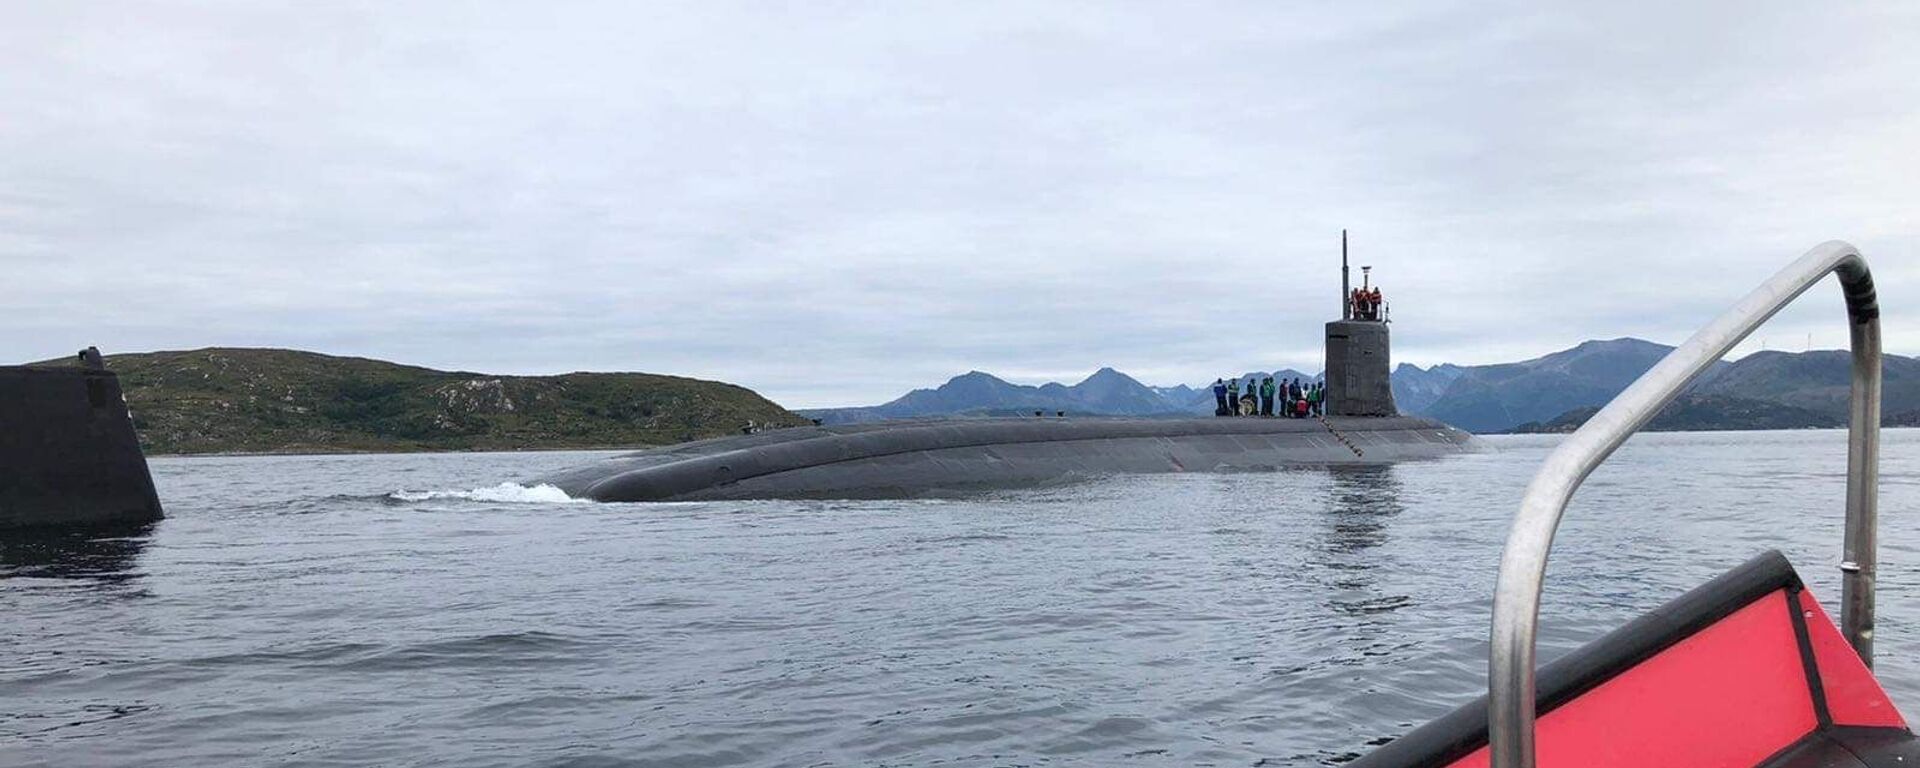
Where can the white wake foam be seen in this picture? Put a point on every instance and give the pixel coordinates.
(504, 492)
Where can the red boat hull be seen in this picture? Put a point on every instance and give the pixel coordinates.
(1744, 671)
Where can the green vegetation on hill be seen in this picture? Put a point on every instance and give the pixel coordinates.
(285, 401)
(1771, 390)
(1699, 413)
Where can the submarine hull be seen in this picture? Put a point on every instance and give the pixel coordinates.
(69, 456)
(892, 459)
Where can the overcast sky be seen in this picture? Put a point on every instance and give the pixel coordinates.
(833, 202)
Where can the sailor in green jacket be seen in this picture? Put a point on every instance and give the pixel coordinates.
(1266, 396)
(1233, 396)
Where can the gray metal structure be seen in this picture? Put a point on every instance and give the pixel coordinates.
(1346, 281)
(1516, 604)
(1359, 365)
(918, 457)
(1359, 368)
(68, 453)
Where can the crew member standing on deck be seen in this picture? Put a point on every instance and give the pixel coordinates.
(1219, 397)
(1266, 396)
(1233, 396)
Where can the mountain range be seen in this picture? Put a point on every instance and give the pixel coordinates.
(273, 400)
(1105, 393)
(1554, 392)
(1494, 398)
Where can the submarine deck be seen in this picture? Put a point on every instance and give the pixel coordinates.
(909, 457)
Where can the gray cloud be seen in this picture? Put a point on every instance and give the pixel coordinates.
(835, 202)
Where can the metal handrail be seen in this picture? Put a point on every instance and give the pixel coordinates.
(1523, 565)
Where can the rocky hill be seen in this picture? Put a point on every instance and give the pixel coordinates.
(1772, 390)
(1415, 389)
(1494, 398)
(1106, 392)
(1697, 412)
(1819, 380)
(285, 401)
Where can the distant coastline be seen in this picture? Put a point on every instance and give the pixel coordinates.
(291, 452)
(278, 402)
(1551, 393)
(1694, 413)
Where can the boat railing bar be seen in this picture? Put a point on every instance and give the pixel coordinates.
(1523, 565)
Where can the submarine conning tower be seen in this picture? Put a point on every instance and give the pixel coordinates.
(69, 455)
(1359, 372)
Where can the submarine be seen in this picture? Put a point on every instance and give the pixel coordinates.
(889, 459)
(69, 456)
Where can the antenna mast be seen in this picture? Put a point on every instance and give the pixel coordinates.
(1346, 282)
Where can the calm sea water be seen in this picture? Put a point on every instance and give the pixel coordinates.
(299, 611)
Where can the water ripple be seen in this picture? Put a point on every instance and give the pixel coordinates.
(299, 611)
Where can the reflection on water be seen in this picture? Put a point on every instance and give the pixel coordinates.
(1361, 502)
(97, 554)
